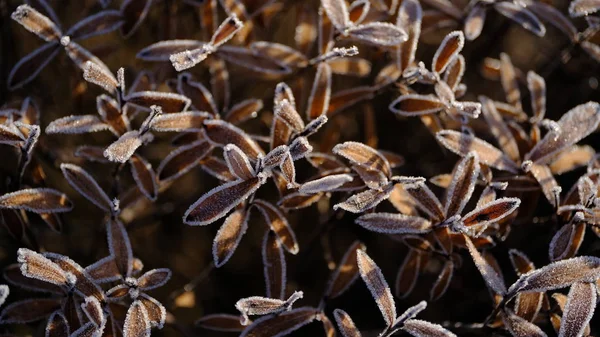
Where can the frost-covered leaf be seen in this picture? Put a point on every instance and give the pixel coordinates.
(373, 278)
(86, 185)
(77, 124)
(37, 200)
(345, 324)
(393, 223)
(229, 236)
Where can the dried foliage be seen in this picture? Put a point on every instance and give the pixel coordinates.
(270, 143)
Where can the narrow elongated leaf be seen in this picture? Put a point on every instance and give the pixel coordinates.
(27, 311)
(519, 327)
(350, 66)
(377, 33)
(545, 178)
(462, 144)
(86, 185)
(522, 16)
(123, 148)
(491, 277)
(257, 305)
(37, 200)
(281, 52)
(278, 224)
(416, 105)
(189, 121)
(426, 200)
(325, 184)
(337, 12)
(474, 22)
(30, 66)
(238, 162)
(133, 12)
(222, 133)
(36, 266)
(274, 266)
(364, 156)
(408, 274)
(244, 111)
(448, 50)
(363, 201)
(346, 272)
(391, 223)
(318, 102)
(77, 124)
(120, 246)
(281, 325)
(217, 202)
(345, 324)
(100, 23)
(491, 212)
(575, 125)
(154, 278)
(419, 328)
(183, 159)
(558, 275)
(137, 322)
(462, 185)
(36, 22)
(161, 51)
(579, 309)
(373, 278)
(229, 236)
(254, 61)
(579, 8)
(169, 102)
(499, 129)
(221, 322)
(409, 19)
(443, 281)
(100, 76)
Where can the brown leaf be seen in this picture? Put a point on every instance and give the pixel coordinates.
(36, 22)
(491, 277)
(443, 281)
(579, 309)
(238, 163)
(120, 246)
(325, 184)
(474, 22)
(252, 60)
(522, 16)
(229, 236)
(222, 133)
(345, 324)
(464, 177)
(221, 322)
(426, 200)
(108, 109)
(201, 98)
(373, 278)
(76, 124)
(244, 111)
(448, 50)
(408, 273)
(57, 325)
(391, 223)
(280, 52)
(364, 156)
(337, 12)
(169, 102)
(133, 12)
(281, 325)
(491, 212)
(190, 121)
(123, 148)
(38, 267)
(153, 279)
(217, 202)
(421, 328)
(183, 159)
(377, 33)
(26, 311)
(416, 105)
(318, 102)
(31, 64)
(409, 19)
(274, 266)
(499, 129)
(100, 23)
(346, 272)
(519, 327)
(37, 200)
(363, 201)
(87, 186)
(161, 51)
(278, 224)
(572, 158)
(137, 322)
(510, 84)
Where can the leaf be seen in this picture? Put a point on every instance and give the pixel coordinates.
(153, 279)
(221, 133)
(37, 200)
(558, 275)
(377, 33)
(537, 89)
(426, 200)
(76, 125)
(27, 311)
(221, 322)
(274, 266)
(38, 267)
(281, 325)
(554, 17)
(84, 285)
(189, 121)
(491, 212)
(410, 313)
(214, 204)
(137, 322)
(462, 144)
(244, 111)
(104, 270)
(519, 327)
(254, 61)
(419, 328)
(133, 12)
(364, 156)
(464, 177)
(86, 330)
(99, 76)
(229, 236)
(87, 186)
(416, 105)
(579, 309)
(363, 201)
(100, 23)
(278, 224)
(499, 129)
(257, 305)
(408, 274)
(521, 16)
(226, 30)
(546, 180)
(345, 324)
(337, 12)
(93, 310)
(325, 184)
(10, 136)
(120, 246)
(409, 19)
(448, 50)
(443, 281)
(36, 22)
(575, 125)
(571, 158)
(161, 51)
(474, 22)
(391, 223)
(510, 84)
(454, 73)
(201, 98)
(350, 66)
(346, 272)
(238, 162)
(318, 102)
(57, 325)
(157, 314)
(183, 159)
(491, 277)
(109, 110)
(373, 278)
(123, 148)
(286, 55)
(169, 102)
(31, 64)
